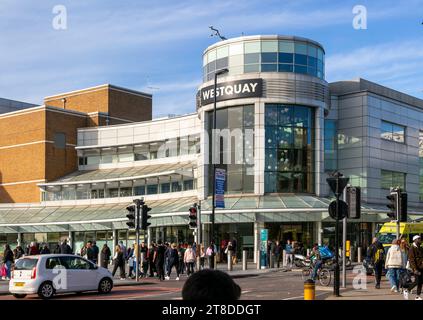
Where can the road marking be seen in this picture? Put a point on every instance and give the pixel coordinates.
(302, 297)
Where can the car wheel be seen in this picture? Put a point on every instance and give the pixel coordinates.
(19, 296)
(105, 286)
(46, 290)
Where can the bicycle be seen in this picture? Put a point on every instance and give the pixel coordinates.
(324, 276)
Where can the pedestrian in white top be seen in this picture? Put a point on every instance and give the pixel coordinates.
(393, 263)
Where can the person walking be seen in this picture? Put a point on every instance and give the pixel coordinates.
(151, 253)
(394, 263)
(8, 260)
(119, 262)
(90, 253)
(18, 253)
(173, 261)
(289, 253)
(45, 249)
(404, 252)
(56, 249)
(159, 259)
(415, 258)
(65, 248)
(105, 256)
(277, 253)
(96, 252)
(234, 251)
(202, 256)
(210, 256)
(377, 257)
(33, 249)
(181, 254)
(189, 259)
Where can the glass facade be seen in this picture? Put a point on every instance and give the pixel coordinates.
(153, 150)
(421, 165)
(265, 56)
(392, 131)
(289, 143)
(116, 189)
(236, 157)
(390, 179)
(331, 145)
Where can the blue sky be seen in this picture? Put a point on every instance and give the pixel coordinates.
(156, 46)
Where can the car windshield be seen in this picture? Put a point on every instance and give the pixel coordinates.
(386, 238)
(25, 264)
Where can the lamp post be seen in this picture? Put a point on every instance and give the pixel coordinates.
(217, 73)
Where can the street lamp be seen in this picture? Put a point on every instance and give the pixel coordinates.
(217, 73)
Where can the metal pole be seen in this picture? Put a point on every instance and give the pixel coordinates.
(199, 230)
(336, 282)
(214, 144)
(344, 243)
(137, 232)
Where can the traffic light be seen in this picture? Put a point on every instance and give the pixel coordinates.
(354, 202)
(193, 217)
(393, 205)
(403, 207)
(144, 216)
(132, 216)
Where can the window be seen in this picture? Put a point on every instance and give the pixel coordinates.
(152, 189)
(330, 142)
(392, 179)
(165, 188)
(60, 140)
(139, 190)
(176, 186)
(74, 263)
(188, 185)
(52, 263)
(289, 145)
(393, 132)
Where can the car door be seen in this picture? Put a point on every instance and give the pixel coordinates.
(84, 276)
(56, 272)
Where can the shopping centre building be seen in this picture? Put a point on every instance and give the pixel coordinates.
(283, 130)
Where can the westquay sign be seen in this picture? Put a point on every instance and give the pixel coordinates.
(232, 90)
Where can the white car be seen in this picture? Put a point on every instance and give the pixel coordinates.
(49, 274)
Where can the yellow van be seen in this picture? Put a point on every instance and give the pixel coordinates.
(388, 231)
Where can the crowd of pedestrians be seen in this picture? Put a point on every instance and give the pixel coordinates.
(403, 264)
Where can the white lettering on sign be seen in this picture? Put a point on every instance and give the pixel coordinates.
(233, 90)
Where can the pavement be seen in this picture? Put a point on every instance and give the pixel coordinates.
(236, 273)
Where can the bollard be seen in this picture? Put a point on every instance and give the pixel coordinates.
(198, 263)
(359, 254)
(309, 290)
(258, 260)
(308, 252)
(271, 261)
(229, 260)
(244, 259)
(215, 262)
(284, 264)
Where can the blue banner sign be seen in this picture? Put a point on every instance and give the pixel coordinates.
(220, 179)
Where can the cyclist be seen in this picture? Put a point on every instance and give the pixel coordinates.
(317, 260)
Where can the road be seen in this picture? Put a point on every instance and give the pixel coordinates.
(276, 285)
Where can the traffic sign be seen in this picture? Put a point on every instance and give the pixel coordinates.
(343, 210)
(337, 184)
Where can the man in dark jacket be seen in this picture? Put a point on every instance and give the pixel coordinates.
(159, 258)
(65, 248)
(96, 252)
(377, 257)
(415, 257)
(91, 253)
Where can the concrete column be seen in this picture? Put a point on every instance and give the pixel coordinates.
(71, 240)
(148, 239)
(19, 239)
(257, 254)
(157, 234)
(284, 264)
(115, 240)
(319, 232)
(359, 255)
(244, 259)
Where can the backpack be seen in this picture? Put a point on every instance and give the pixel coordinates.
(379, 255)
